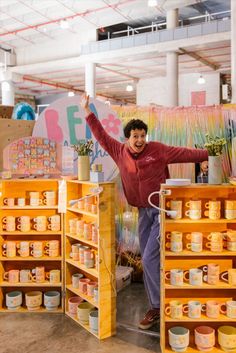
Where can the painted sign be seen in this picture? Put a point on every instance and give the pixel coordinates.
(64, 122)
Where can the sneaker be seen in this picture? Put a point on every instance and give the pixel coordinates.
(150, 319)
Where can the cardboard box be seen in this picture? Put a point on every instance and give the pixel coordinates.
(96, 177)
(123, 277)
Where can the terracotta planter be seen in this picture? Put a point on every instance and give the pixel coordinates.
(214, 170)
(83, 168)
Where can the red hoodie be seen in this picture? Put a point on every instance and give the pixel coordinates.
(143, 173)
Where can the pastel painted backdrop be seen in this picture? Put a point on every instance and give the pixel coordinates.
(64, 122)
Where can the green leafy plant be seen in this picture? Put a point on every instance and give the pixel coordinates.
(214, 145)
(83, 148)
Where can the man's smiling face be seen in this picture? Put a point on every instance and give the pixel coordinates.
(137, 140)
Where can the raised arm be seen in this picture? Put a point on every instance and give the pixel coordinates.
(185, 155)
(111, 145)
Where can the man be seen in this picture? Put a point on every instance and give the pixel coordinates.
(143, 167)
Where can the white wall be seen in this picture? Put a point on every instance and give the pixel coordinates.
(64, 47)
(154, 90)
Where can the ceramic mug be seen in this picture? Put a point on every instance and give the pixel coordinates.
(212, 214)
(194, 276)
(10, 201)
(227, 338)
(231, 309)
(175, 276)
(195, 237)
(178, 338)
(214, 309)
(194, 214)
(51, 300)
(204, 337)
(231, 274)
(174, 309)
(175, 205)
(75, 279)
(73, 303)
(33, 300)
(23, 248)
(194, 204)
(213, 205)
(93, 321)
(175, 236)
(175, 246)
(195, 247)
(14, 300)
(12, 276)
(194, 309)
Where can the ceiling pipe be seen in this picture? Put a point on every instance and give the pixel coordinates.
(78, 14)
(68, 87)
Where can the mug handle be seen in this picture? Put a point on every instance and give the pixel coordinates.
(186, 273)
(189, 246)
(223, 311)
(187, 213)
(207, 205)
(206, 213)
(167, 310)
(168, 245)
(222, 276)
(185, 309)
(6, 276)
(203, 307)
(187, 204)
(167, 276)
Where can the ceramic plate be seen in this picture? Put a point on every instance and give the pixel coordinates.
(178, 182)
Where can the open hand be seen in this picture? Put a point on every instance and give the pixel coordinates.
(84, 102)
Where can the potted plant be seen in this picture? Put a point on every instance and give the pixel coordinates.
(214, 146)
(83, 150)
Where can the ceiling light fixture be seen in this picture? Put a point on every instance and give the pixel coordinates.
(64, 24)
(201, 80)
(71, 94)
(152, 3)
(129, 87)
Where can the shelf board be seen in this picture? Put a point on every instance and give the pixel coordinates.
(82, 295)
(216, 349)
(29, 284)
(31, 232)
(25, 310)
(89, 242)
(83, 325)
(184, 318)
(202, 220)
(31, 258)
(77, 210)
(200, 254)
(28, 207)
(221, 285)
(91, 271)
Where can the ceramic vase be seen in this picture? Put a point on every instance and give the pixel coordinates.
(83, 168)
(214, 170)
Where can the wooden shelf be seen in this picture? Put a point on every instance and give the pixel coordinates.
(30, 284)
(188, 259)
(200, 221)
(221, 319)
(83, 325)
(31, 232)
(200, 254)
(82, 240)
(28, 207)
(104, 250)
(82, 295)
(77, 210)
(221, 285)
(216, 349)
(31, 258)
(25, 310)
(91, 271)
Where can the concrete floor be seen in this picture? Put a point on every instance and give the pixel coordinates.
(39, 333)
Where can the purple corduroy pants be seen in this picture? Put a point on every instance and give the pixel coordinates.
(149, 230)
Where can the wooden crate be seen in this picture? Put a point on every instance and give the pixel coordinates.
(188, 259)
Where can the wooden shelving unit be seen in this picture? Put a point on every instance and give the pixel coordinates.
(20, 188)
(104, 273)
(187, 259)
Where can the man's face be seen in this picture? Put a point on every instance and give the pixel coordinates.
(137, 140)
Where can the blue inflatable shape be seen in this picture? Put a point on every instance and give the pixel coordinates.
(23, 111)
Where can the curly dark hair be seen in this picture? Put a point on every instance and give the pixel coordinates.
(134, 124)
